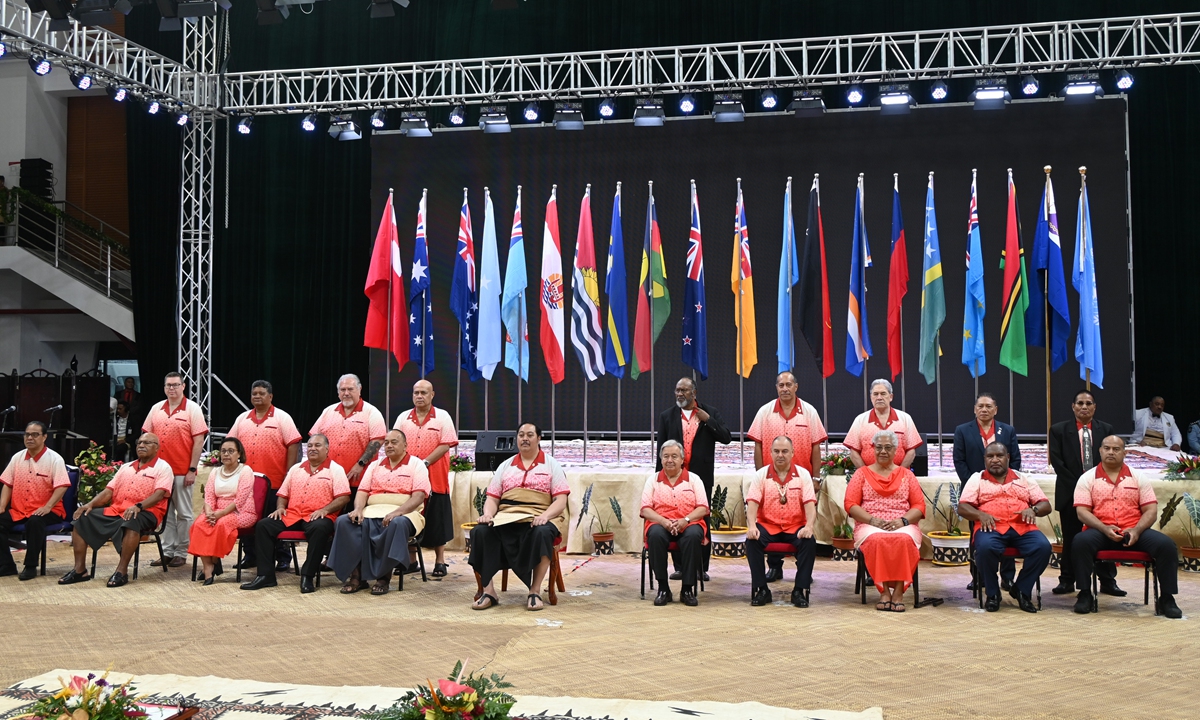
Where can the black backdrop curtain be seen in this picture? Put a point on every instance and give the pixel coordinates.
(1164, 153)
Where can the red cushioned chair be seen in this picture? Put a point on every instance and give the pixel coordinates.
(1127, 556)
(70, 504)
(646, 555)
(785, 549)
(861, 581)
(977, 581)
(245, 534)
(294, 538)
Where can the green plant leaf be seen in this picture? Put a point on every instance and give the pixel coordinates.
(616, 508)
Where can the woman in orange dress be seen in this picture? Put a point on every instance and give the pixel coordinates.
(886, 503)
(228, 507)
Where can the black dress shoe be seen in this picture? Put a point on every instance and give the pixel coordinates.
(800, 598)
(1006, 584)
(774, 574)
(306, 585)
(706, 577)
(760, 597)
(258, 583)
(1110, 588)
(1083, 604)
(209, 580)
(1168, 608)
(971, 586)
(1063, 588)
(247, 563)
(676, 575)
(1026, 603)
(28, 572)
(992, 604)
(663, 597)
(687, 596)
(283, 565)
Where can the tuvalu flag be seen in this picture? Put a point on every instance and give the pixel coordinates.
(552, 297)
(464, 301)
(933, 294)
(586, 335)
(858, 338)
(1049, 285)
(815, 322)
(654, 302)
(1083, 269)
(616, 342)
(695, 326)
(1012, 325)
(789, 275)
(489, 348)
(897, 285)
(975, 301)
(742, 281)
(512, 302)
(387, 313)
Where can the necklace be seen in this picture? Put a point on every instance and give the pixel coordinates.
(783, 491)
(226, 475)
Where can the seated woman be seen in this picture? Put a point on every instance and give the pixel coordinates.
(674, 505)
(372, 539)
(522, 521)
(228, 507)
(886, 503)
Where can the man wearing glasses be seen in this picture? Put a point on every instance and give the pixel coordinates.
(33, 487)
(181, 429)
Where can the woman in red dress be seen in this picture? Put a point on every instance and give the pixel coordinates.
(886, 503)
(228, 507)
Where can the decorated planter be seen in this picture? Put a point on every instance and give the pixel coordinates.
(843, 549)
(729, 542)
(1055, 555)
(604, 543)
(466, 531)
(1191, 559)
(949, 550)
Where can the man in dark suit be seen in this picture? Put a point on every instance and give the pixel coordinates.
(698, 427)
(1075, 449)
(970, 441)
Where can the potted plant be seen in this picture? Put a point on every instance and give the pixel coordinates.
(603, 540)
(95, 471)
(728, 540)
(1191, 528)
(950, 546)
(478, 501)
(1056, 546)
(1184, 467)
(461, 462)
(843, 531)
(836, 463)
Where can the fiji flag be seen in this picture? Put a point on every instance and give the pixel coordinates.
(858, 339)
(616, 342)
(420, 300)
(695, 330)
(975, 305)
(463, 297)
(1087, 342)
(789, 275)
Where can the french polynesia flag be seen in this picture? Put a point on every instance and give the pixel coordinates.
(552, 295)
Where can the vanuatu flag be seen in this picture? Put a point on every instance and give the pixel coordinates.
(1016, 297)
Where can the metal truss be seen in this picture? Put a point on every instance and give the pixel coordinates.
(968, 52)
(108, 55)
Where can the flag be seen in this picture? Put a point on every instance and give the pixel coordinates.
(695, 326)
(488, 347)
(385, 290)
(742, 279)
(789, 275)
(858, 338)
(1016, 301)
(933, 296)
(1050, 283)
(616, 344)
(512, 304)
(1087, 341)
(897, 286)
(420, 300)
(464, 300)
(586, 335)
(552, 297)
(815, 321)
(974, 304)
(654, 302)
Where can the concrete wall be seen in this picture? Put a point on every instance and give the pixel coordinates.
(48, 339)
(33, 119)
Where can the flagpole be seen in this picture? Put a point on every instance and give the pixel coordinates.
(618, 419)
(424, 293)
(737, 234)
(520, 356)
(458, 383)
(824, 378)
(585, 394)
(787, 252)
(553, 427)
(1012, 411)
(650, 304)
(621, 259)
(937, 374)
(976, 374)
(903, 394)
(387, 364)
(825, 405)
(1083, 220)
(486, 383)
(1046, 308)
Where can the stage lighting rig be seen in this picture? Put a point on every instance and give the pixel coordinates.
(152, 107)
(3, 49)
(607, 108)
(309, 122)
(687, 104)
(379, 119)
(458, 115)
(494, 119)
(182, 117)
(855, 94)
(244, 125)
(568, 116)
(414, 123)
(727, 107)
(271, 14)
(99, 12)
(532, 112)
(768, 99)
(991, 94)
(118, 93)
(895, 99)
(1030, 85)
(649, 112)
(1082, 87)
(57, 10)
(82, 80)
(939, 91)
(40, 65)
(807, 103)
(343, 127)
(1124, 80)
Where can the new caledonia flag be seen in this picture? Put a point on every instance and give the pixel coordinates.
(695, 327)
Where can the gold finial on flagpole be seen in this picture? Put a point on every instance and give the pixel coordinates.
(1047, 169)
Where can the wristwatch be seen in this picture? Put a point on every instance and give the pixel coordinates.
(139, 506)
(191, 469)
(361, 463)
(904, 520)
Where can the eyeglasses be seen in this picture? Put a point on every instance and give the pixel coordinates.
(146, 442)
(229, 451)
(34, 435)
(884, 448)
(174, 385)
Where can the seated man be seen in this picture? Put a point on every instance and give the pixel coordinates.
(309, 498)
(781, 507)
(522, 521)
(373, 538)
(1005, 505)
(33, 486)
(1154, 428)
(134, 503)
(1117, 508)
(674, 505)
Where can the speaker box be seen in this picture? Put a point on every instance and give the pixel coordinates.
(37, 177)
(920, 465)
(493, 448)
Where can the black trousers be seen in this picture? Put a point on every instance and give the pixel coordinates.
(35, 537)
(806, 554)
(1159, 546)
(690, 555)
(270, 503)
(318, 534)
(1071, 527)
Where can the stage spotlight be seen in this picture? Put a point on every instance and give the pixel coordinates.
(768, 99)
(309, 123)
(990, 94)
(1124, 80)
(3, 49)
(494, 119)
(383, 8)
(81, 80)
(568, 116)
(607, 108)
(153, 107)
(343, 127)
(854, 95)
(271, 14)
(894, 99)
(1082, 87)
(458, 115)
(413, 123)
(938, 91)
(1030, 85)
(118, 93)
(727, 107)
(649, 112)
(40, 65)
(379, 119)
(531, 112)
(807, 103)
(244, 125)
(687, 104)
(181, 118)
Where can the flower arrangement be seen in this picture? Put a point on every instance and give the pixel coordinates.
(613, 504)
(211, 458)
(461, 462)
(93, 698)
(836, 463)
(948, 512)
(1184, 467)
(456, 698)
(95, 471)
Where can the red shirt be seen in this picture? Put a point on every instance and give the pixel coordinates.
(1003, 501)
(408, 477)
(266, 442)
(309, 490)
(176, 430)
(861, 437)
(350, 434)
(690, 424)
(425, 437)
(803, 427)
(33, 479)
(1120, 503)
(544, 475)
(766, 491)
(134, 482)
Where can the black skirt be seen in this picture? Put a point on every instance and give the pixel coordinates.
(439, 521)
(516, 546)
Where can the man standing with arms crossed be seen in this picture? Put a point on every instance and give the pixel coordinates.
(181, 431)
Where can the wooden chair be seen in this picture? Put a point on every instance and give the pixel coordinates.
(554, 577)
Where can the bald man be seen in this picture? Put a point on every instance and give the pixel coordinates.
(430, 434)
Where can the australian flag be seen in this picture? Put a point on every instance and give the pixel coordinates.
(695, 331)
(420, 301)
(464, 301)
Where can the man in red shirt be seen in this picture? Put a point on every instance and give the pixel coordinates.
(355, 429)
(134, 503)
(33, 486)
(429, 433)
(1004, 505)
(781, 507)
(1117, 509)
(308, 501)
(180, 427)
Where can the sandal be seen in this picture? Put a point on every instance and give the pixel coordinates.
(117, 579)
(381, 586)
(529, 602)
(73, 577)
(883, 606)
(897, 607)
(439, 570)
(492, 602)
(352, 586)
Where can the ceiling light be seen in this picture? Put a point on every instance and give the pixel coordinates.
(343, 127)
(894, 99)
(608, 108)
(807, 103)
(494, 119)
(531, 112)
(244, 125)
(1083, 87)
(939, 91)
(1124, 80)
(990, 94)
(649, 112)
(379, 119)
(40, 65)
(727, 107)
(413, 123)
(458, 115)
(768, 99)
(309, 123)
(687, 104)
(855, 95)
(1030, 85)
(3, 49)
(118, 93)
(81, 80)
(568, 116)
(181, 118)
(153, 107)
